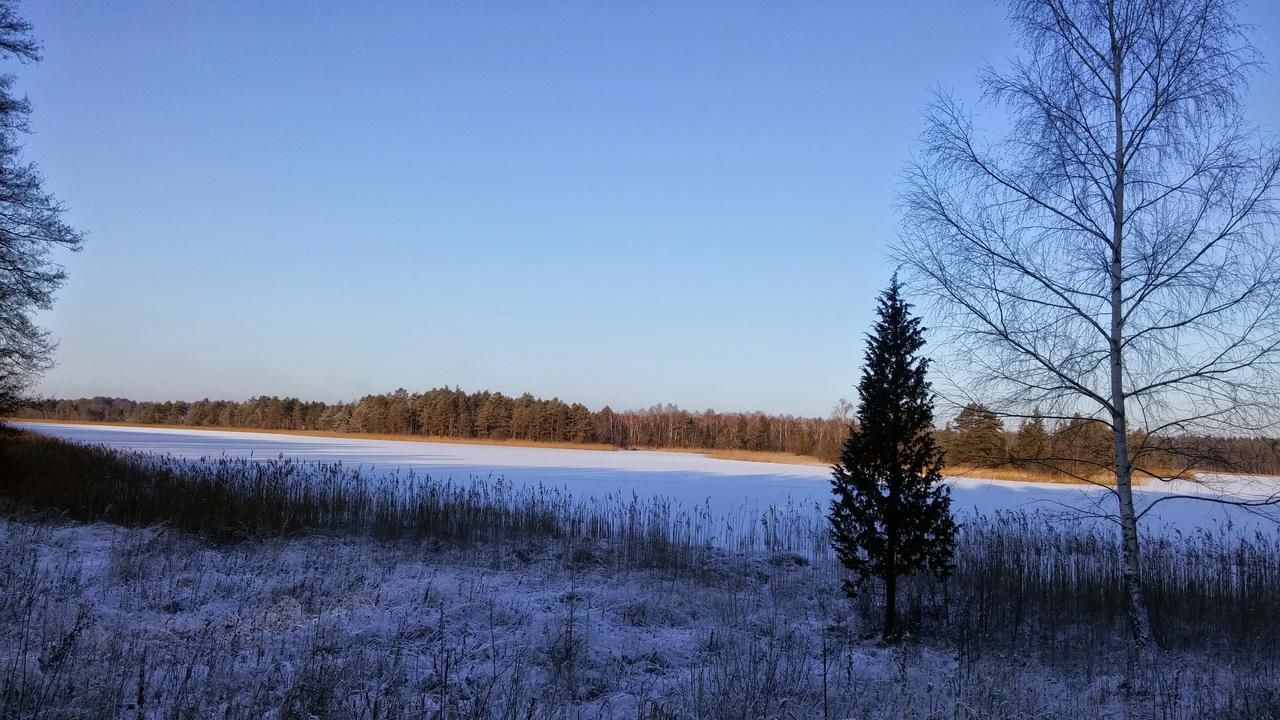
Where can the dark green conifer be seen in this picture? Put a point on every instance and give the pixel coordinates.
(891, 515)
(979, 438)
(1031, 448)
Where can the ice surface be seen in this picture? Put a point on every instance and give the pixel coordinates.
(688, 478)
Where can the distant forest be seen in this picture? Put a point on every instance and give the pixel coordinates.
(976, 437)
(454, 413)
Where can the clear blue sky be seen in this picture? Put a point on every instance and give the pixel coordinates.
(615, 203)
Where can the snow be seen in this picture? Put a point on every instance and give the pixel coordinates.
(689, 479)
(150, 623)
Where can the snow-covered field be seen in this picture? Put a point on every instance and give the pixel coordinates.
(148, 622)
(688, 478)
(99, 621)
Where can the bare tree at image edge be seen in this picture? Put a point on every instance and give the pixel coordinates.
(1113, 252)
(31, 227)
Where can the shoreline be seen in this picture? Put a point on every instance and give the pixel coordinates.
(770, 457)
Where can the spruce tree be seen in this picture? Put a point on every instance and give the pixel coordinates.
(1031, 448)
(891, 515)
(979, 439)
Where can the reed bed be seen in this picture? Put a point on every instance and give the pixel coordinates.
(1026, 583)
(228, 499)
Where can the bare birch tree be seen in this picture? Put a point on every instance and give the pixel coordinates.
(1112, 251)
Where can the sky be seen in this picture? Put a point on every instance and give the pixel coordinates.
(612, 203)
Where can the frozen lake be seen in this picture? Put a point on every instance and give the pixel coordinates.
(688, 478)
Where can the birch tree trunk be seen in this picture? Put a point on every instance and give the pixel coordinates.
(1131, 555)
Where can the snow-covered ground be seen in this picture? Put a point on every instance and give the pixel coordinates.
(105, 621)
(689, 479)
(101, 621)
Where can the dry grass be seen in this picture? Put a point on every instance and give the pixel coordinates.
(1015, 474)
(764, 456)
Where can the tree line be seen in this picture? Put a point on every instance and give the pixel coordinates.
(1082, 447)
(976, 437)
(455, 413)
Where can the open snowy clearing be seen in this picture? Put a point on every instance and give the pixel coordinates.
(688, 479)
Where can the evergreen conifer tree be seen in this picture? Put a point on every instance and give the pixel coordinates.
(1031, 448)
(979, 438)
(891, 515)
